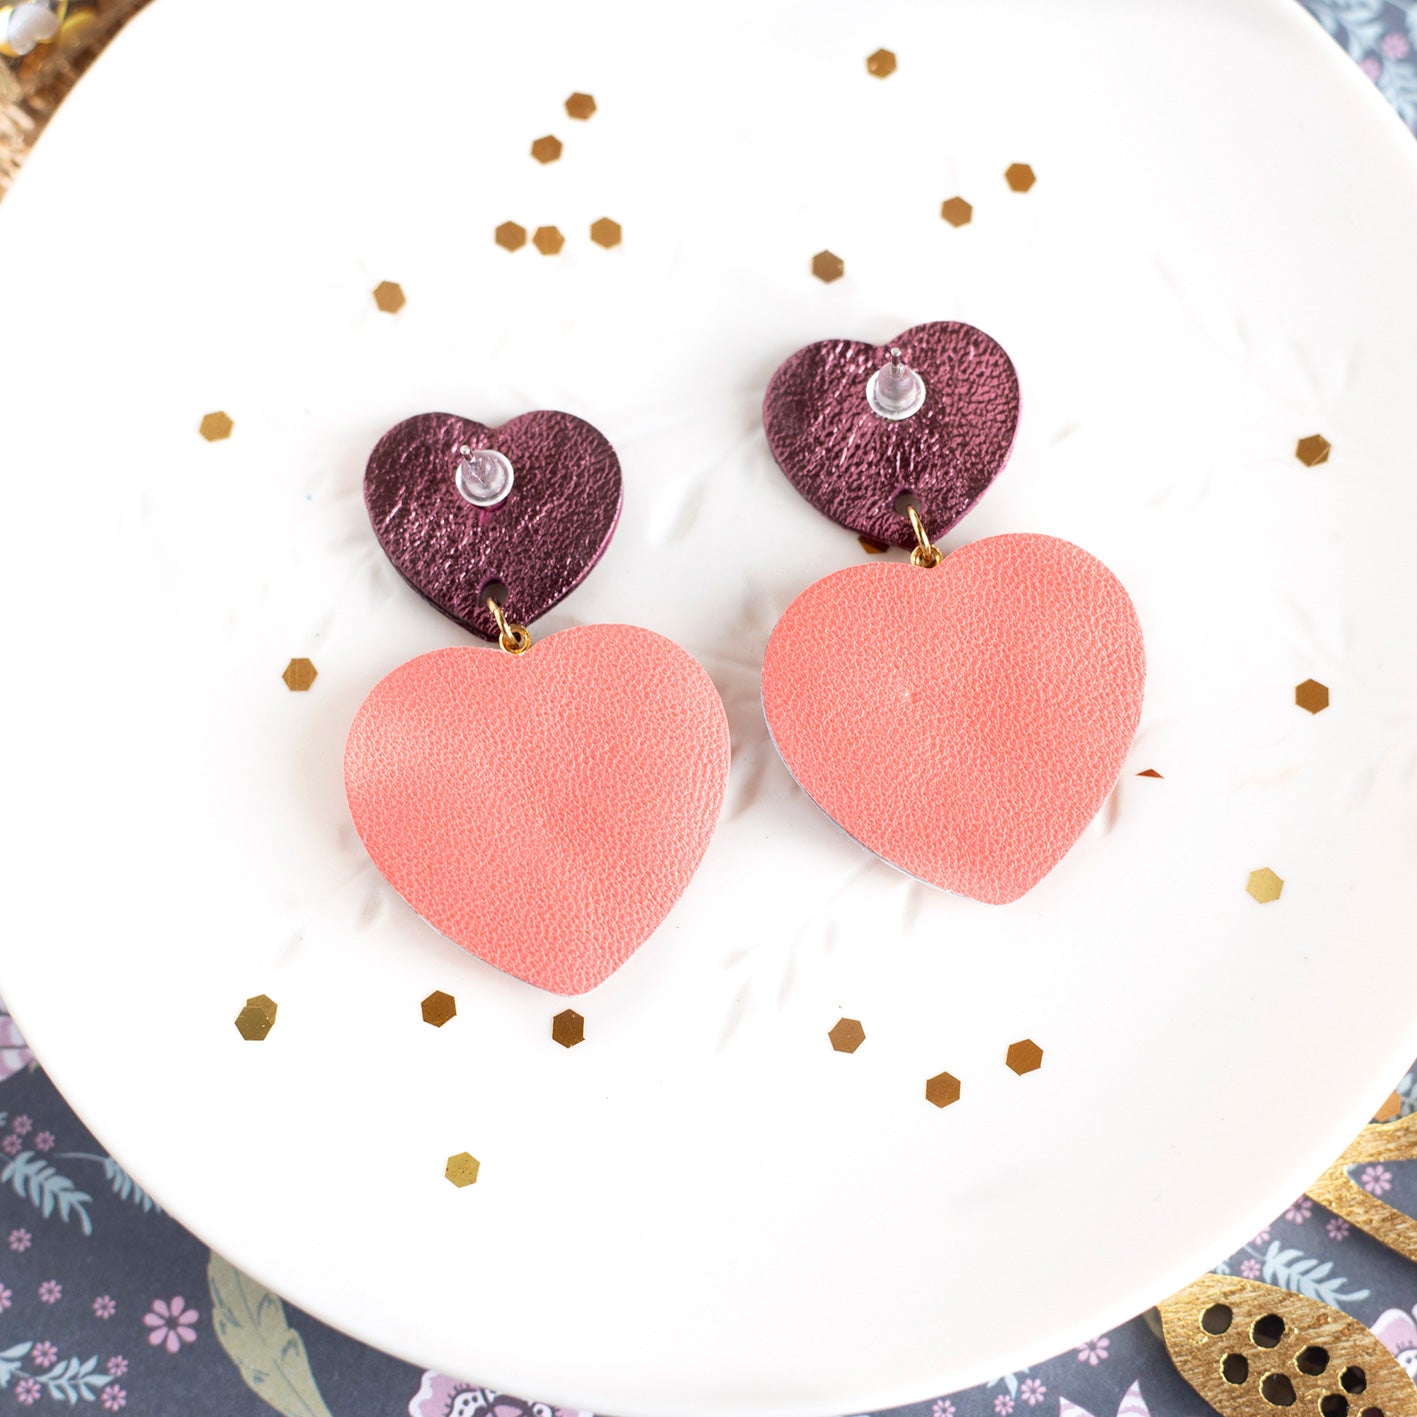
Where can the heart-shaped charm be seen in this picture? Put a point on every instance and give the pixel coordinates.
(964, 722)
(540, 541)
(854, 465)
(542, 810)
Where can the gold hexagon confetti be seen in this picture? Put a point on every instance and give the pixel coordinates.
(1025, 1056)
(1313, 450)
(546, 149)
(388, 296)
(510, 236)
(462, 1169)
(956, 211)
(871, 548)
(257, 1018)
(1149, 772)
(1311, 695)
(1264, 885)
(215, 426)
(1019, 176)
(299, 674)
(828, 267)
(942, 1089)
(547, 240)
(881, 64)
(580, 105)
(438, 1008)
(847, 1035)
(568, 1028)
(605, 232)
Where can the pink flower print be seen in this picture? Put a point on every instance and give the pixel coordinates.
(11, 1144)
(5, 1297)
(438, 1395)
(51, 1292)
(943, 1408)
(20, 1240)
(1300, 1211)
(27, 1392)
(104, 1307)
(116, 1366)
(1376, 1180)
(113, 1398)
(1337, 1228)
(1395, 45)
(1262, 1238)
(171, 1324)
(44, 1141)
(1372, 66)
(21, 1125)
(1094, 1351)
(1032, 1391)
(42, 1355)
(1003, 1404)
(1250, 1269)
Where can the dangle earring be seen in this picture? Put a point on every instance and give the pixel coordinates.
(542, 805)
(963, 716)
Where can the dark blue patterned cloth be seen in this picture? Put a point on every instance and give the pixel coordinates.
(105, 1301)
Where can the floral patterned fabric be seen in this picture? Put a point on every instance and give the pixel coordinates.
(106, 1301)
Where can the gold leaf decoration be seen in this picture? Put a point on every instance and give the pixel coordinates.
(1336, 1189)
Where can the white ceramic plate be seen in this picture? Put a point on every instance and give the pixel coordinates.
(704, 1209)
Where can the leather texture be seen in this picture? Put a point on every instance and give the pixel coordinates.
(964, 722)
(853, 465)
(544, 810)
(540, 542)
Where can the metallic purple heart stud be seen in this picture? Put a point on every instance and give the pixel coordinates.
(458, 507)
(853, 431)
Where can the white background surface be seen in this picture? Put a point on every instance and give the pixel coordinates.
(703, 1209)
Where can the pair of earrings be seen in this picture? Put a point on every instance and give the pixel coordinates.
(962, 717)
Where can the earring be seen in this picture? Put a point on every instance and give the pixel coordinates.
(963, 716)
(542, 805)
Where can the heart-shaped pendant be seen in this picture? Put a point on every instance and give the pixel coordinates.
(539, 541)
(853, 464)
(543, 810)
(964, 722)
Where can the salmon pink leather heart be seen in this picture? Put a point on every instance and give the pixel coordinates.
(964, 722)
(542, 810)
(854, 465)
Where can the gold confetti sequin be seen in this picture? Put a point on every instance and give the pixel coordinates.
(1264, 885)
(547, 240)
(299, 674)
(215, 426)
(881, 64)
(1311, 695)
(462, 1169)
(510, 236)
(828, 267)
(1148, 772)
(1313, 450)
(605, 232)
(956, 211)
(546, 149)
(438, 1008)
(1390, 1109)
(942, 1089)
(1025, 1056)
(568, 1028)
(388, 296)
(871, 548)
(1019, 176)
(847, 1035)
(580, 105)
(257, 1018)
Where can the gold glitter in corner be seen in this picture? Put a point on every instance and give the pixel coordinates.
(580, 106)
(257, 1018)
(847, 1035)
(1264, 885)
(438, 1008)
(568, 1028)
(942, 1089)
(1313, 450)
(388, 296)
(957, 211)
(547, 149)
(299, 675)
(215, 426)
(881, 64)
(1311, 695)
(547, 240)
(1025, 1056)
(828, 267)
(462, 1169)
(1019, 176)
